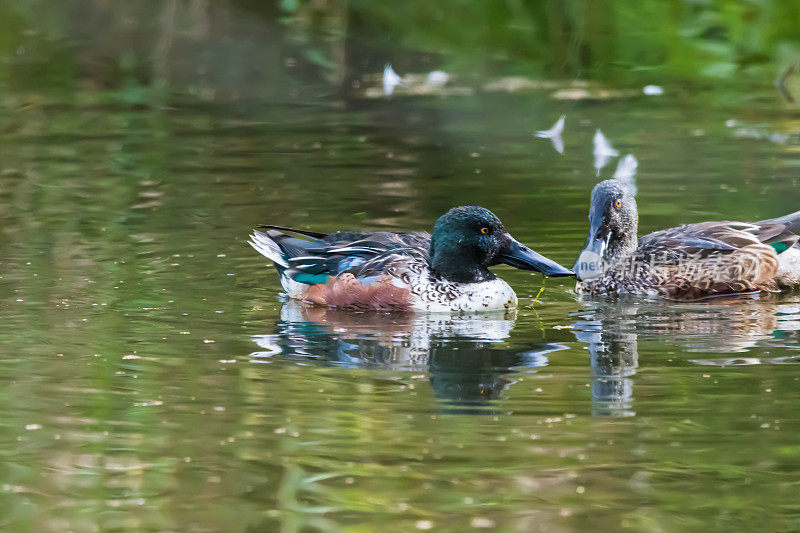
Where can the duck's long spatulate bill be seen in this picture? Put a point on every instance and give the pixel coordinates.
(520, 256)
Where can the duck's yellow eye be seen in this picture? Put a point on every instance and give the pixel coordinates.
(485, 230)
(618, 204)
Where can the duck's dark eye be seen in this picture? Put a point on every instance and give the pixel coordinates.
(485, 230)
(618, 204)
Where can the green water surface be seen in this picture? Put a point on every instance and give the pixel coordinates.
(153, 378)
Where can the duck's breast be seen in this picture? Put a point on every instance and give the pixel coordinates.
(433, 294)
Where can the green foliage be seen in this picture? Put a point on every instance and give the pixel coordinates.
(46, 43)
(602, 39)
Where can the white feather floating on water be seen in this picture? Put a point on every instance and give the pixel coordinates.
(438, 77)
(390, 80)
(603, 151)
(626, 168)
(626, 172)
(554, 134)
(602, 146)
(555, 131)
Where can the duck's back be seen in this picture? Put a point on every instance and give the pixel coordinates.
(365, 255)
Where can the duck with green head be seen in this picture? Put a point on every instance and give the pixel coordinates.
(447, 270)
(686, 262)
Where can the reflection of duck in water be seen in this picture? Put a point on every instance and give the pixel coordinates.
(728, 325)
(614, 357)
(445, 271)
(613, 330)
(459, 351)
(687, 262)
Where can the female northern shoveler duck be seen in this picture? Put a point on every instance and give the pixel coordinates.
(687, 262)
(445, 271)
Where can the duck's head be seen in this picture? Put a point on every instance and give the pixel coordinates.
(613, 222)
(467, 240)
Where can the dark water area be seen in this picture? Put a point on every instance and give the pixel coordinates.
(153, 377)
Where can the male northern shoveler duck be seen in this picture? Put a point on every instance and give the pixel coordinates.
(692, 261)
(445, 271)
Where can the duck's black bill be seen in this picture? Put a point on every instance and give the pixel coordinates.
(520, 256)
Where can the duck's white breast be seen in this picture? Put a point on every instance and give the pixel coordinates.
(433, 294)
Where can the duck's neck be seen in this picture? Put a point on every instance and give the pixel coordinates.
(621, 247)
(451, 261)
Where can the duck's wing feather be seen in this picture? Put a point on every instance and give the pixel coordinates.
(312, 234)
(709, 258)
(707, 238)
(362, 254)
(701, 239)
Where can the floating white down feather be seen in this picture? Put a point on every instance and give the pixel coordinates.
(554, 134)
(603, 151)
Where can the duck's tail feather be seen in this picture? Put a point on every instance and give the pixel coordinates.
(267, 246)
(790, 221)
(781, 233)
(294, 258)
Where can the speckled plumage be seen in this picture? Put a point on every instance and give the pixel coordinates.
(691, 261)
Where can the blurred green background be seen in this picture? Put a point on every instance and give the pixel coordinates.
(252, 48)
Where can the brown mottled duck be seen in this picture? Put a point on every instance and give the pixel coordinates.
(687, 262)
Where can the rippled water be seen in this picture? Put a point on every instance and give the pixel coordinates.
(153, 378)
